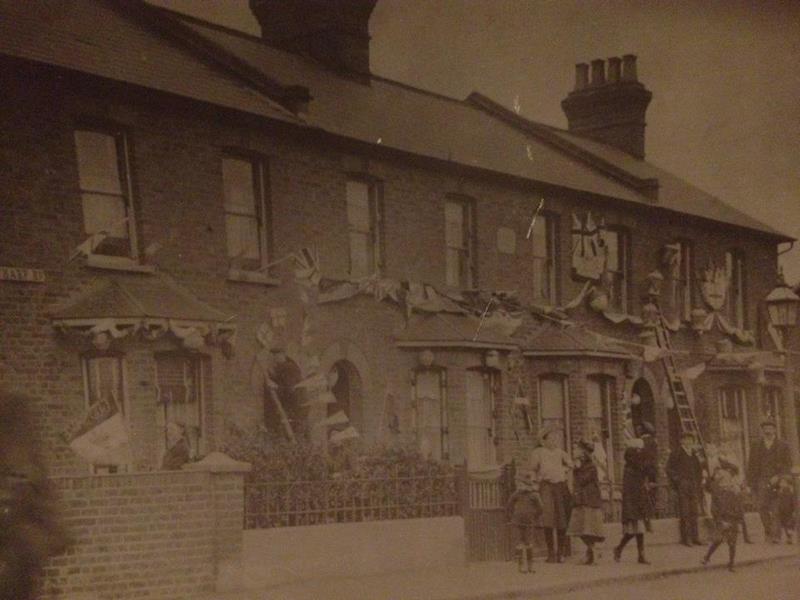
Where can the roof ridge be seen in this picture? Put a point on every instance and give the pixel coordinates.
(646, 187)
(165, 22)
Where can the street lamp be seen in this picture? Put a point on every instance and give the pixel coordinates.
(782, 304)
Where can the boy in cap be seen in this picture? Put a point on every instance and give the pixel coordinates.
(686, 476)
(727, 512)
(523, 509)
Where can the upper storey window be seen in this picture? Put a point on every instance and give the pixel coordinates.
(617, 266)
(545, 258)
(103, 173)
(459, 235)
(735, 302)
(364, 228)
(246, 225)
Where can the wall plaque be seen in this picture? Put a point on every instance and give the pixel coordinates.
(21, 274)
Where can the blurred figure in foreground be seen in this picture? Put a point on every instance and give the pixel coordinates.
(30, 531)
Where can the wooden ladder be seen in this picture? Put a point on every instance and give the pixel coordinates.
(686, 416)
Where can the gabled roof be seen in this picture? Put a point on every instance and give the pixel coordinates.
(139, 297)
(132, 42)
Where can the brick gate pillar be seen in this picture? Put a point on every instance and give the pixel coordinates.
(226, 479)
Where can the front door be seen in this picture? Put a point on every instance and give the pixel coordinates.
(480, 420)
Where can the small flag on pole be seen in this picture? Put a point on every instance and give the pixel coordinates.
(307, 267)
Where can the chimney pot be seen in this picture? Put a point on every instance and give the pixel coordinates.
(614, 69)
(581, 76)
(598, 72)
(629, 68)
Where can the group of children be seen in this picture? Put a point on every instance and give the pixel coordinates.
(525, 508)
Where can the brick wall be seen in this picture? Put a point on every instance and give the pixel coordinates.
(176, 149)
(167, 535)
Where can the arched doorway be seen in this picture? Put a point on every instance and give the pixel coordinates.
(285, 374)
(642, 405)
(348, 391)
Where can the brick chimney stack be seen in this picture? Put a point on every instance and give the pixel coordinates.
(609, 108)
(333, 32)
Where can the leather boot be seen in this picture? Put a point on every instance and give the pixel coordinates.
(521, 558)
(529, 558)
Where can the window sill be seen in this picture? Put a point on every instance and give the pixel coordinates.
(118, 263)
(241, 276)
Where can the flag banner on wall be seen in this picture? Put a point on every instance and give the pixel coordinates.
(102, 439)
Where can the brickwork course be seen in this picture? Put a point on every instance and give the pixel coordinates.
(186, 94)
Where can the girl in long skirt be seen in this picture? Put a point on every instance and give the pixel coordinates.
(586, 520)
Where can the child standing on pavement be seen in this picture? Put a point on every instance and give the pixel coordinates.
(586, 520)
(727, 512)
(786, 506)
(523, 509)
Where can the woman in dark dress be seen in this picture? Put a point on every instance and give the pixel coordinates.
(634, 498)
(586, 520)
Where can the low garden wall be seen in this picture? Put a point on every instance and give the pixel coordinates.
(160, 535)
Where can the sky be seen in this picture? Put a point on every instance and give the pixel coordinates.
(725, 77)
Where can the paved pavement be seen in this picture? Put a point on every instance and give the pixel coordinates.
(485, 581)
(772, 580)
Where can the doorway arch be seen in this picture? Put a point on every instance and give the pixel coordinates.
(348, 391)
(645, 409)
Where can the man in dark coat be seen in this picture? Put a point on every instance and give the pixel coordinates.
(769, 460)
(686, 476)
(650, 456)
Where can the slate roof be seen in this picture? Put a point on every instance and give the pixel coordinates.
(139, 297)
(96, 37)
(447, 330)
(155, 48)
(554, 339)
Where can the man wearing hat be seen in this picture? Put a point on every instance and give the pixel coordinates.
(769, 460)
(686, 476)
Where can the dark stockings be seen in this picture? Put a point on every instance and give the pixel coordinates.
(548, 540)
(639, 546)
(589, 549)
(713, 547)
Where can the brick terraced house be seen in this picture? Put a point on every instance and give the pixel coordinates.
(159, 170)
(195, 220)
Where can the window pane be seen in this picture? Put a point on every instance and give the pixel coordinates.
(98, 169)
(360, 260)
(612, 240)
(594, 400)
(242, 235)
(238, 186)
(552, 401)
(103, 375)
(453, 267)
(104, 213)
(358, 213)
(539, 235)
(454, 224)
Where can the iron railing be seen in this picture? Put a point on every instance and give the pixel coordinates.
(396, 496)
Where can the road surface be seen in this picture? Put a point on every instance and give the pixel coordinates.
(778, 580)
